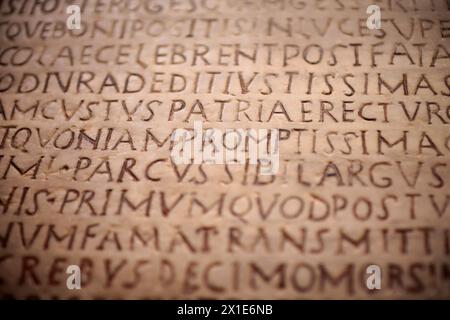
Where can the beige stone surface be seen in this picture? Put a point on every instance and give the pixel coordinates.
(87, 178)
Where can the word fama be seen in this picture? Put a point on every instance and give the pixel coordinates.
(199, 240)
